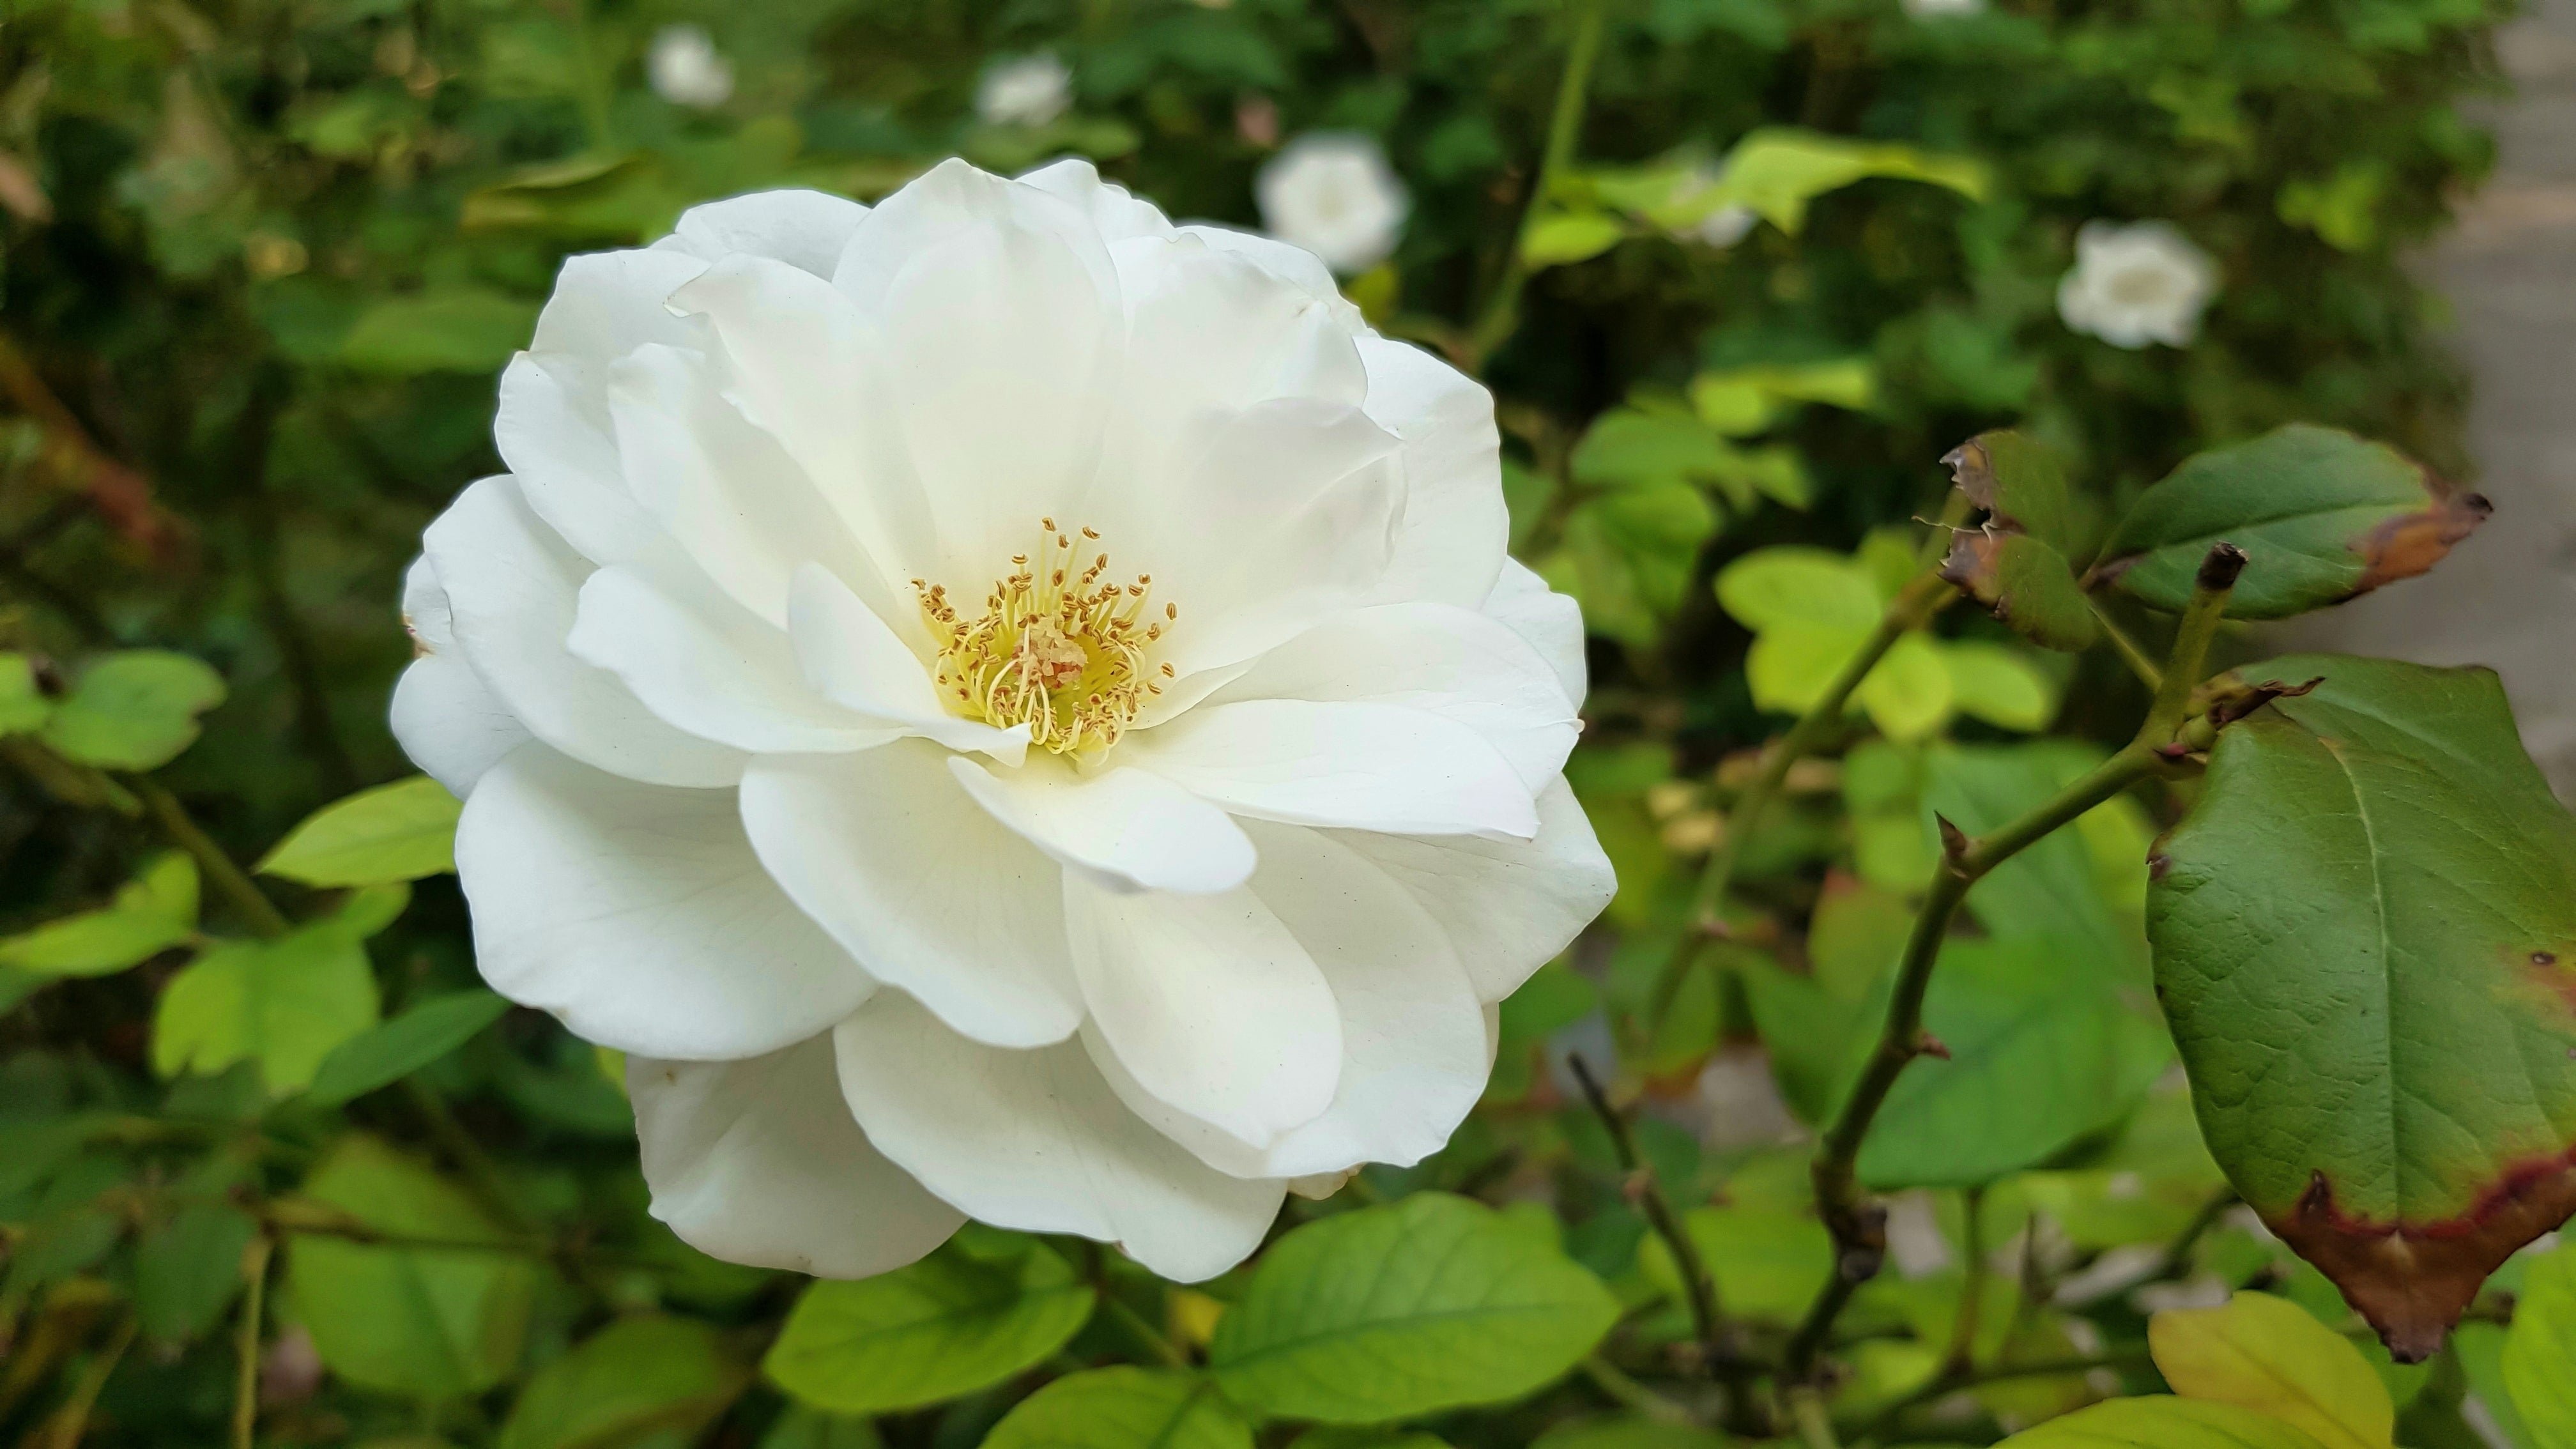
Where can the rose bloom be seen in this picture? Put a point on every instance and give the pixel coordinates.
(2136, 284)
(686, 68)
(1005, 708)
(1332, 193)
(1027, 90)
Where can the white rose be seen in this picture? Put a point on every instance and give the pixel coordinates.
(1028, 90)
(1332, 193)
(2136, 284)
(826, 747)
(686, 70)
(1933, 9)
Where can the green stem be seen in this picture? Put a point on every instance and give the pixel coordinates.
(1699, 1287)
(1913, 604)
(257, 911)
(1630, 1394)
(1948, 1384)
(1815, 1425)
(72, 1419)
(2177, 1259)
(1859, 1229)
(246, 1341)
(1501, 316)
(2126, 647)
(1962, 1357)
(1137, 1328)
(482, 1174)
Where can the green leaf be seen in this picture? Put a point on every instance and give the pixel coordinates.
(1778, 170)
(284, 1004)
(2159, 1422)
(23, 706)
(800, 1427)
(1123, 1408)
(1908, 695)
(2322, 516)
(134, 710)
(1789, 584)
(2017, 563)
(397, 832)
(2040, 1058)
(151, 914)
(1791, 665)
(1388, 1312)
(392, 1050)
(948, 1325)
(1998, 685)
(188, 1267)
(2540, 1351)
(427, 1323)
(451, 329)
(638, 1376)
(2365, 938)
(1626, 1431)
(2054, 888)
(2270, 1355)
(1555, 238)
(1767, 1262)
(1626, 448)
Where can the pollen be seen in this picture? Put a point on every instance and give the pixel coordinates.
(1059, 646)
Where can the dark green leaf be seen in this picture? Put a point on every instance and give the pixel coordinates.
(637, 1377)
(2365, 937)
(134, 710)
(1392, 1311)
(800, 1427)
(424, 1322)
(948, 1325)
(2017, 563)
(187, 1267)
(23, 707)
(1123, 1408)
(455, 329)
(392, 1050)
(2321, 515)
(397, 832)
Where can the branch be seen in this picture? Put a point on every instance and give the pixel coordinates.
(1502, 314)
(257, 911)
(1948, 1384)
(246, 1342)
(1859, 1228)
(1921, 597)
(1716, 1340)
(121, 495)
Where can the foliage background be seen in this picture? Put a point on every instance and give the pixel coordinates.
(264, 258)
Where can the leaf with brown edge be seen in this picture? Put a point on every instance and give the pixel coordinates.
(2016, 563)
(2365, 941)
(2322, 515)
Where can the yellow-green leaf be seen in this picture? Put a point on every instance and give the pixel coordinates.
(154, 912)
(2269, 1354)
(134, 710)
(1556, 238)
(23, 706)
(397, 832)
(2162, 1422)
(2540, 1351)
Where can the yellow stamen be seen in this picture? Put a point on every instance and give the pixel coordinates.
(1067, 662)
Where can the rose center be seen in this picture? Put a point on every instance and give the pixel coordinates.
(1059, 647)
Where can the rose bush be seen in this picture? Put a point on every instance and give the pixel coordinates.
(816, 753)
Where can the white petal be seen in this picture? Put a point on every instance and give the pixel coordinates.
(1289, 263)
(446, 719)
(1001, 309)
(1366, 766)
(887, 853)
(1415, 1052)
(805, 229)
(640, 916)
(1550, 621)
(1508, 906)
(700, 661)
(1209, 1003)
(1284, 517)
(1112, 208)
(850, 657)
(722, 488)
(512, 588)
(760, 1162)
(1440, 659)
(1035, 1140)
(1126, 828)
(812, 370)
(1451, 542)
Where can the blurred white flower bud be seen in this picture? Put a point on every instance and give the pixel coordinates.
(1025, 90)
(2135, 284)
(1934, 9)
(1332, 193)
(686, 69)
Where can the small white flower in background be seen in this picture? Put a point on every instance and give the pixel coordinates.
(1003, 707)
(2135, 284)
(1935, 9)
(1721, 228)
(1026, 90)
(686, 69)
(1332, 193)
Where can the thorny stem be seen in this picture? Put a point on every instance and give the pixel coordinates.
(257, 911)
(1913, 605)
(1859, 1228)
(246, 1341)
(1698, 1287)
(1564, 128)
